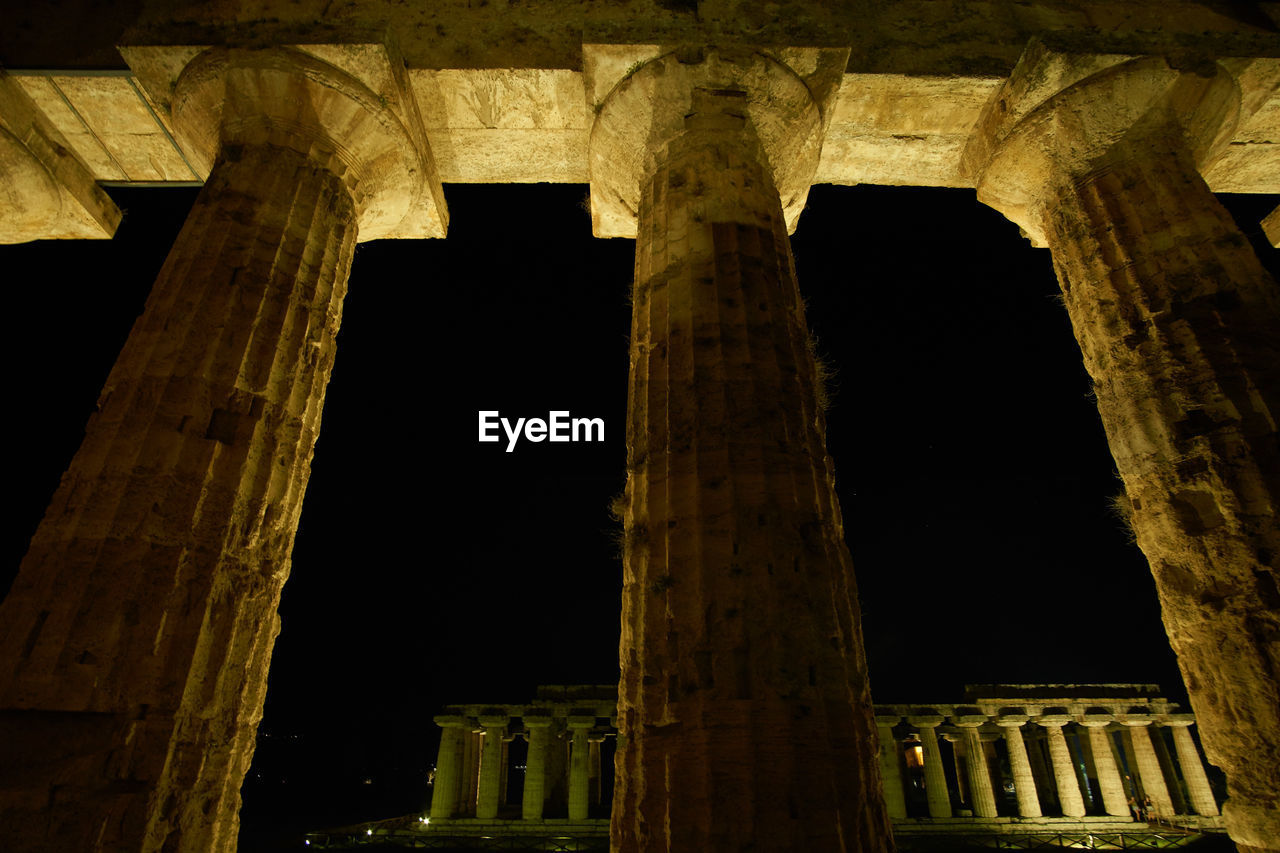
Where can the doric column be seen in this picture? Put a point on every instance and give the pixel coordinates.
(895, 799)
(744, 690)
(1096, 157)
(594, 778)
(1024, 782)
(535, 772)
(1104, 761)
(1149, 775)
(444, 793)
(579, 767)
(490, 766)
(935, 777)
(1198, 790)
(135, 642)
(1064, 771)
(980, 791)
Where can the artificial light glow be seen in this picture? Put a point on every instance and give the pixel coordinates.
(368, 832)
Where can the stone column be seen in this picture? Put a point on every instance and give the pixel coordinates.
(959, 760)
(1064, 771)
(891, 766)
(135, 642)
(981, 793)
(444, 794)
(1198, 789)
(470, 774)
(1168, 772)
(535, 773)
(935, 777)
(1024, 782)
(594, 779)
(1149, 775)
(1177, 321)
(1104, 761)
(579, 769)
(490, 766)
(744, 692)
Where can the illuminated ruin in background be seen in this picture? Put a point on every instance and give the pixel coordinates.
(136, 639)
(1015, 766)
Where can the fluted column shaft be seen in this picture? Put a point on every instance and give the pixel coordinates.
(983, 797)
(1064, 772)
(895, 798)
(444, 793)
(1150, 775)
(145, 610)
(1180, 329)
(535, 773)
(579, 770)
(1024, 781)
(490, 767)
(1104, 761)
(1202, 799)
(743, 696)
(935, 777)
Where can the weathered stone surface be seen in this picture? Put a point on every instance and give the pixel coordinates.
(1180, 329)
(744, 697)
(146, 605)
(1024, 782)
(140, 627)
(46, 192)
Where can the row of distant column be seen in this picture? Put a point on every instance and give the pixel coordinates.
(471, 776)
(1068, 773)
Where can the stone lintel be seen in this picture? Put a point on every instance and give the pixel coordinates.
(352, 101)
(47, 193)
(1271, 227)
(640, 95)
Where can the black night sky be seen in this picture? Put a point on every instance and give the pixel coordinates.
(974, 475)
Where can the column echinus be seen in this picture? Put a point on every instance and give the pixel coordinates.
(135, 642)
(744, 697)
(1096, 157)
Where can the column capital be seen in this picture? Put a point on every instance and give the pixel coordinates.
(1053, 721)
(970, 720)
(1011, 721)
(347, 106)
(536, 722)
(926, 721)
(642, 97)
(493, 721)
(580, 722)
(1059, 114)
(1095, 721)
(1134, 721)
(451, 721)
(887, 721)
(1174, 721)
